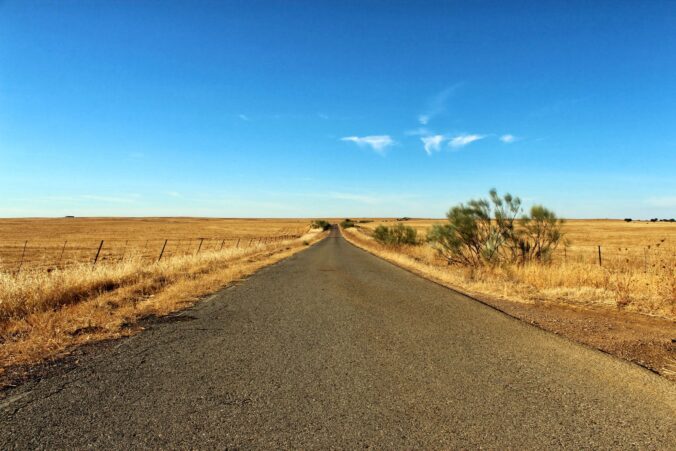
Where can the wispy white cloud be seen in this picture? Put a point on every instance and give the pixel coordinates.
(432, 143)
(462, 140)
(508, 139)
(662, 201)
(243, 117)
(437, 104)
(378, 143)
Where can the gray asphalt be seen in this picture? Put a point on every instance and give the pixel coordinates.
(335, 348)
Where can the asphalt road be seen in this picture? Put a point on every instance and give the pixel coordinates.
(335, 348)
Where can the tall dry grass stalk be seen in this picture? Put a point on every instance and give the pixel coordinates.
(44, 313)
(631, 286)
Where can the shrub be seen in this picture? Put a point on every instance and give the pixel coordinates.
(347, 223)
(540, 236)
(321, 224)
(483, 232)
(627, 219)
(396, 235)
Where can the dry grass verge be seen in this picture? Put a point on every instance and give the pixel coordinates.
(44, 314)
(577, 300)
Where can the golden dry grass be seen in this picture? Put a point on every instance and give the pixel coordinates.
(63, 241)
(44, 313)
(638, 271)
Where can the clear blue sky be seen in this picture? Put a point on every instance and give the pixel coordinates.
(341, 108)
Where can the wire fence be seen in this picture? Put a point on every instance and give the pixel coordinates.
(18, 255)
(644, 257)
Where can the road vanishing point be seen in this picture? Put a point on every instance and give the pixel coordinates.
(336, 348)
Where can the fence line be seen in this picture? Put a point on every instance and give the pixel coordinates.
(51, 254)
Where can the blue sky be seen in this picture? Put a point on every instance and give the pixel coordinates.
(350, 108)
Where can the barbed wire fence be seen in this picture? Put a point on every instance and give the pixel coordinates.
(18, 255)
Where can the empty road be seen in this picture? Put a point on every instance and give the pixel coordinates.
(335, 348)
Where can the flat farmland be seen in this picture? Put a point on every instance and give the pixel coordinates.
(640, 244)
(50, 243)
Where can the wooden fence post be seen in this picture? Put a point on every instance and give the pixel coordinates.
(97, 254)
(62, 251)
(600, 262)
(200, 246)
(222, 243)
(162, 251)
(237, 245)
(25, 244)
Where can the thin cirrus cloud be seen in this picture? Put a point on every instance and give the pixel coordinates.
(460, 141)
(432, 143)
(508, 139)
(437, 105)
(379, 143)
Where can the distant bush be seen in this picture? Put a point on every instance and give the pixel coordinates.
(347, 223)
(627, 219)
(321, 224)
(484, 232)
(396, 235)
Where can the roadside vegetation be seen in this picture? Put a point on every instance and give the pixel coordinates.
(397, 235)
(45, 312)
(321, 224)
(347, 223)
(491, 247)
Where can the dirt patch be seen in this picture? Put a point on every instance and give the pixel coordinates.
(649, 342)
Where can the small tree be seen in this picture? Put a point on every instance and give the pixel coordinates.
(541, 234)
(471, 236)
(486, 231)
(321, 224)
(347, 223)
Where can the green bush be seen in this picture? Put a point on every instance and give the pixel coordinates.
(321, 224)
(485, 232)
(396, 235)
(347, 223)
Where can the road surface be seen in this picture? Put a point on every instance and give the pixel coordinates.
(335, 348)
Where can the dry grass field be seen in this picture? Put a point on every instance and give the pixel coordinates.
(637, 271)
(47, 307)
(50, 243)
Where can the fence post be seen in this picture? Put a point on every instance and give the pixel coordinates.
(222, 243)
(200, 246)
(124, 250)
(600, 262)
(25, 244)
(162, 251)
(97, 254)
(62, 251)
(237, 245)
